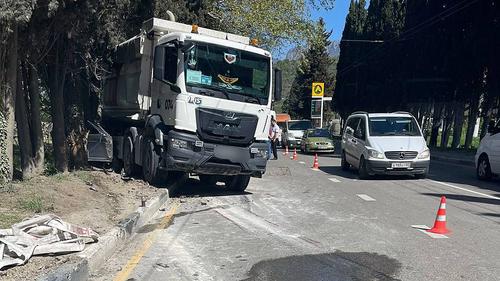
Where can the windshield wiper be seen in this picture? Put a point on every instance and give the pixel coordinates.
(250, 98)
(211, 93)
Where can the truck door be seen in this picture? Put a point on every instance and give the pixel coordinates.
(165, 72)
(99, 144)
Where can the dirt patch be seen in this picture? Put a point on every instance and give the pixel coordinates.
(88, 198)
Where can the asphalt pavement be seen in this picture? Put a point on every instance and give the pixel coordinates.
(299, 224)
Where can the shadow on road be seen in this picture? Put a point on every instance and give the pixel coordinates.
(331, 266)
(195, 188)
(444, 172)
(353, 174)
(467, 198)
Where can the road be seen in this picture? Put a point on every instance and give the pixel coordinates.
(300, 224)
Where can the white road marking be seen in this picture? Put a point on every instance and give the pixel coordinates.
(366, 197)
(334, 180)
(465, 189)
(424, 228)
(302, 162)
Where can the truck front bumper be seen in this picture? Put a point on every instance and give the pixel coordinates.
(186, 152)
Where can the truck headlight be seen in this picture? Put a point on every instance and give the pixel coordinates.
(424, 154)
(372, 153)
(176, 143)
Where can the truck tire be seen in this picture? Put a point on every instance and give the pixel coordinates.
(129, 166)
(237, 183)
(150, 164)
(209, 180)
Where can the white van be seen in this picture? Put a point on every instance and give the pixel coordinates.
(384, 143)
(488, 154)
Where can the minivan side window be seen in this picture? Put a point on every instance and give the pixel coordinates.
(352, 123)
(360, 132)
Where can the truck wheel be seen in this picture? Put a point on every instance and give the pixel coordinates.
(237, 183)
(150, 164)
(209, 180)
(129, 166)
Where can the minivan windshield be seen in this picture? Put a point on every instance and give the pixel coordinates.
(393, 126)
(301, 125)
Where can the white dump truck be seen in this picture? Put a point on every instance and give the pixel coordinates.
(185, 99)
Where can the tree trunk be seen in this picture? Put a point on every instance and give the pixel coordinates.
(36, 121)
(458, 124)
(471, 121)
(9, 101)
(436, 123)
(23, 129)
(447, 121)
(57, 75)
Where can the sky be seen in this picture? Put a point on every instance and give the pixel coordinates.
(334, 18)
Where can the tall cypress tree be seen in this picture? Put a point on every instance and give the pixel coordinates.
(350, 51)
(314, 67)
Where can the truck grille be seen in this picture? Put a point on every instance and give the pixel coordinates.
(401, 155)
(217, 126)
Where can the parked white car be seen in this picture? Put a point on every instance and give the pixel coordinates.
(384, 143)
(488, 154)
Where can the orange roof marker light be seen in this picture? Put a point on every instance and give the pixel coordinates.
(254, 42)
(194, 28)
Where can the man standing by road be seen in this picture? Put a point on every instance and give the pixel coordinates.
(273, 136)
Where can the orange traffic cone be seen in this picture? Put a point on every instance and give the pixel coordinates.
(294, 154)
(440, 223)
(316, 164)
(286, 150)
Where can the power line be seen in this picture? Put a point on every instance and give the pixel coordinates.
(423, 25)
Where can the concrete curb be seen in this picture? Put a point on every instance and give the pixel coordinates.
(465, 162)
(96, 254)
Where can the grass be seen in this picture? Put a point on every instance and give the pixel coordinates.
(8, 219)
(35, 204)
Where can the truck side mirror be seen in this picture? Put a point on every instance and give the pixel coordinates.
(278, 84)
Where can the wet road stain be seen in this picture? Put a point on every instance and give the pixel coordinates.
(337, 266)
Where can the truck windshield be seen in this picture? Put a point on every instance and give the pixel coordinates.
(393, 126)
(299, 125)
(238, 74)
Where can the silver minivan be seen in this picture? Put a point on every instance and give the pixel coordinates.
(384, 143)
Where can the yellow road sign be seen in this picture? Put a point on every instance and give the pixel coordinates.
(318, 89)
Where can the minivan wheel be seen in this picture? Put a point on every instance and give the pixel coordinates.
(343, 162)
(363, 173)
(483, 170)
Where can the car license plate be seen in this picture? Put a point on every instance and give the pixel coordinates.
(401, 165)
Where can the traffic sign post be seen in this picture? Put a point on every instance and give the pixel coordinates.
(318, 89)
(317, 94)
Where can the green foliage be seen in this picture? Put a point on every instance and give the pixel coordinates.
(34, 203)
(272, 23)
(313, 67)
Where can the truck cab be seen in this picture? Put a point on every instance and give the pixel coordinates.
(193, 100)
